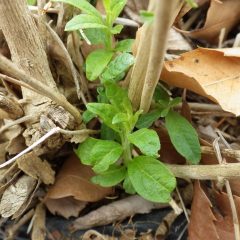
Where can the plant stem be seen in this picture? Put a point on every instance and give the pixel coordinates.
(127, 156)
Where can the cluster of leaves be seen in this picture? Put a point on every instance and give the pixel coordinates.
(110, 62)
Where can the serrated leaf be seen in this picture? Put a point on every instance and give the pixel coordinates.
(117, 66)
(146, 120)
(127, 185)
(105, 111)
(124, 45)
(151, 179)
(111, 177)
(183, 136)
(99, 153)
(146, 140)
(96, 62)
(84, 21)
(84, 5)
(117, 29)
(118, 97)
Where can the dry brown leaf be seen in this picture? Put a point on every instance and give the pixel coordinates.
(16, 195)
(220, 15)
(209, 73)
(202, 219)
(16, 145)
(66, 207)
(74, 180)
(33, 166)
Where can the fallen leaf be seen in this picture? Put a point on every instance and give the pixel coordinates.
(209, 73)
(16, 195)
(37, 168)
(74, 180)
(202, 219)
(66, 207)
(220, 15)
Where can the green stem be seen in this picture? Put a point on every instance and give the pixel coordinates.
(108, 31)
(127, 155)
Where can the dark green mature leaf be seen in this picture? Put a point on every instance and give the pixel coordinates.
(111, 177)
(146, 120)
(107, 133)
(84, 21)
(105, 111)
(146, 140)
(117, 66)
(118, 97)
(127, 185)
(151, 179)
(161, 96)
(87, 116)
(96, 62)
(99, 153)
(84, 5)
(124, 45)
(183, 136)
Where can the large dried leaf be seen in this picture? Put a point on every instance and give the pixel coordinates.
(33, 166)
(221, 14)
(202, 219)
(66, 207)
(209, 73)
(16, 195)
(74, 180)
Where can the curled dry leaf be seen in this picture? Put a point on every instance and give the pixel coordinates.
(221, 14)
(34, 167)
(202, 219)
(16, 195)
(66, 207)
(209, 73)
(74, 180)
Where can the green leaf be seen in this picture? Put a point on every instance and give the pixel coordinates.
(87, 116)
(192, 3)
(107, 133)
(84, 21)
(117, 66)
(118, 97)
(161, 96)
(124, 45)
(117, 29)
(146, 140)
(96, 35)
(146, 120)
(99, 153)
(31, 2)
(151, 179)
(96, 62)
(119, 118)
(84, 5)
(111, 177)
(175, 101)
(107, 4)
(183, 136)
(116, 7)
(146, 16)
(105, 111)
(127, 185)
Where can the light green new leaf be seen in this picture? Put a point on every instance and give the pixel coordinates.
(116, 7)
(84, 5)
(84, 21)
(146, 16)
(96, 35)
(31, 2)
(96, 62)
(105, 111)
(119, 118)
(117, 29)
(146, 140)
(118, 97)
(146, 120)
(151, 179)
(183, 136)
(99, 153)
(124, 45)
(117, 66)
(111, 177)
